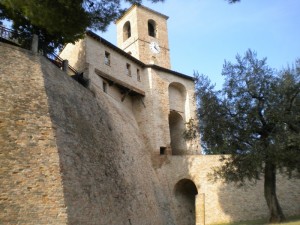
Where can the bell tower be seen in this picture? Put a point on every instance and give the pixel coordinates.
(142, 32)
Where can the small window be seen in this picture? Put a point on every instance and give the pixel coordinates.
(162, 150)
(104, 86)
(126, 31)
(138, 75)
(128, 69)
(107, 58)
(151, 28)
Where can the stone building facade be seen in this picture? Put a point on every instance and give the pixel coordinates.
(137, 75)
(112, 153)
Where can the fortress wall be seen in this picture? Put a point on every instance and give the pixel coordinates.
(68, 157)
(225, 202)
(71, 157)
(31, 189)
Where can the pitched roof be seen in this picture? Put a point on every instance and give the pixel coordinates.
(130, 57)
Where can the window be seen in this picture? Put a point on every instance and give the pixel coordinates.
(104, 86)
(151, 28)
(128, 70)
(162, 150)
(138, 76)
(107, 58)
(126, 31)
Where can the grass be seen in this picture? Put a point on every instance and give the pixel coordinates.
(293, 220)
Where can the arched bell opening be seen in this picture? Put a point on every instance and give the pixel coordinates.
(151, 28)
(126, 31)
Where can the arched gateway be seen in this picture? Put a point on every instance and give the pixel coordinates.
(185, 197)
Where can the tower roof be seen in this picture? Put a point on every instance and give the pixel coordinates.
(142, 7)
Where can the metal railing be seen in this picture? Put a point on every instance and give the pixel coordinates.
(58, 61)
(8, 35)
(12, 37)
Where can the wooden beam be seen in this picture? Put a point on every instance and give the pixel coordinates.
(125, 94)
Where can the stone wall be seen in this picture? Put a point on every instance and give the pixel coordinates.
(224, 202)
(31, 189)
(70, 156)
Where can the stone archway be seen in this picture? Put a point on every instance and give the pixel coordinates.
(177, 97)
(176, 125)
(185, 192)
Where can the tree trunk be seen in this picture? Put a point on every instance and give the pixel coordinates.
(276, 214)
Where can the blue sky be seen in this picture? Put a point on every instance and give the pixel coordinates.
(203, 33)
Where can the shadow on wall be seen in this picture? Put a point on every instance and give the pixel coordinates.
(242, 203)
(103, 174)
(177, 127)
(79, 64)
(88, 150)
(248, 203)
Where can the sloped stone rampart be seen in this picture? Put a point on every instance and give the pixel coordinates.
(31, 187)
(67, 156)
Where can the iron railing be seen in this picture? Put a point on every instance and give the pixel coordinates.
(58, 61)
(12, 37)
(8, 35)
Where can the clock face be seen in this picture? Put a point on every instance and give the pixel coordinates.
(154, 47)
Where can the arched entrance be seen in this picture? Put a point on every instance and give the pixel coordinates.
(177, 100)
(177, 97)
(177, 127)
(185, 194)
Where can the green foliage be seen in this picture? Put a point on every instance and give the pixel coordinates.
(255, 118)
(60, 21)
(191, 131)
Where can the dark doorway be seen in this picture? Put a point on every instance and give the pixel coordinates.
(185, 195)
(177, 127)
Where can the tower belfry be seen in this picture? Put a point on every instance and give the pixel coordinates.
(143, 33)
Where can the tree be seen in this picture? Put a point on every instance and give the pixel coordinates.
(60, 21)
(255, 119)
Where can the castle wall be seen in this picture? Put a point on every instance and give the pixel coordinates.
(224, 202)
(31, 190)
(69, 156)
